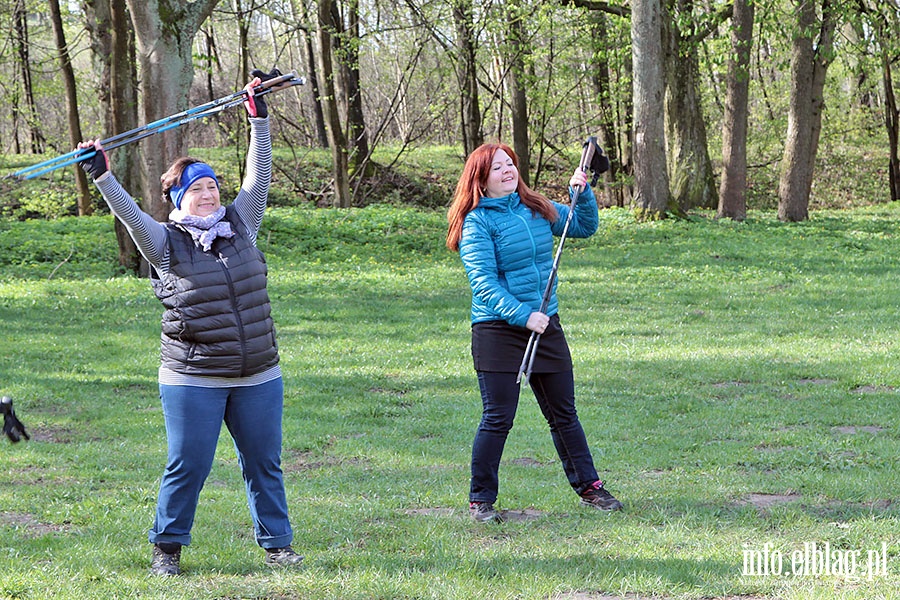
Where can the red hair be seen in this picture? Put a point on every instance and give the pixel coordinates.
(471, 186)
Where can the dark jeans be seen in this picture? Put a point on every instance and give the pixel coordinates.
(555, 393)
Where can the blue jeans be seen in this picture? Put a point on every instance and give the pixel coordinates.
(194, 418)
(555, 393)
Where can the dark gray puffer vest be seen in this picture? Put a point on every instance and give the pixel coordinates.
(217, 321)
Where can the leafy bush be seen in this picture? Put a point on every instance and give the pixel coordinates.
(47, 204)
(35, 248)
(387, 233)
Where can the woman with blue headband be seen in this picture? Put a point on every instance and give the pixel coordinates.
(219, 357)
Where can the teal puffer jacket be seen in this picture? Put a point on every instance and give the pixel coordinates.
(508, 254)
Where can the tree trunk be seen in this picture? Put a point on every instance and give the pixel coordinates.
(313, 80)
(733, 188)
(85, 206)
(243, 18)
(164, 44)
(626, 150)
(518, 99)
(112, 50)
(356, 120)
(613, 194)
(651, 179)
(98, 22)
(22, 45)
(336, 138)
(891, 124)
(822, 59)
(466, 73)
(793, 202)
(124, 117)
(809, 64)
(209, 41)
(690, 171)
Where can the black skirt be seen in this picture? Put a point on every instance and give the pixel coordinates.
(498, 347)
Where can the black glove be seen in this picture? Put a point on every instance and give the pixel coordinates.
(96, 165)
(599, 161)
(265, 76)
(12, 426)
(261, 109)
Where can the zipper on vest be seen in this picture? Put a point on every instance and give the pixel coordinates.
(237, 315)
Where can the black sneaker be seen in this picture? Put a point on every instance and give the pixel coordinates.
(484, 512)
(283, 557)
(165, 563)
(596, 496)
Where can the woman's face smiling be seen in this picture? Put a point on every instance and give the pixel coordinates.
(202, 198)
(503, 178)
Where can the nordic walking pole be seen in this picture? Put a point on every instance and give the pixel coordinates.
(204, 110)
(587, 162)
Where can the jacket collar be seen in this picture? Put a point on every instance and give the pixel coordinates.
(503, 202)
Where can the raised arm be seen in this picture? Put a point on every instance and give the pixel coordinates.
(585, 220)
(253, 196)
(150, 236)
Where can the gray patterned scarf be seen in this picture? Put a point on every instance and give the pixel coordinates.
(204, 230)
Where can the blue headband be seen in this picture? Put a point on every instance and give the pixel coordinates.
(191, 173)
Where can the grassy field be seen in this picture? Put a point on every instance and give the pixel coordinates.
(738, 384)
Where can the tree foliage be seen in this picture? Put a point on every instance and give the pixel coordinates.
(541, 76)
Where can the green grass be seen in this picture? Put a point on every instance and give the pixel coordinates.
(715, 362)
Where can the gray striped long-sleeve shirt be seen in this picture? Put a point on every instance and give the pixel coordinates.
(151, 237)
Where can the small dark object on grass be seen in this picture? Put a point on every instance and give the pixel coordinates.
(12, 426)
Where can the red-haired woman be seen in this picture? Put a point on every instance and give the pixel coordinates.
(504, 232)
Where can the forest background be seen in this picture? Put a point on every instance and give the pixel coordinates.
(698, 104)
(741, 360)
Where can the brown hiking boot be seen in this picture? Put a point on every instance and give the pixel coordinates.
(165, 563)
(283, 557)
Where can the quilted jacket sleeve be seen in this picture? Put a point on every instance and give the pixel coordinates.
(476, 248)
(584, 221)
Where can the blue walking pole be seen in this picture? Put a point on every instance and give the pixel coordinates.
(171, 122)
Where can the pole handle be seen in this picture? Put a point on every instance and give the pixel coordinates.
(532, 341)
(279, 83)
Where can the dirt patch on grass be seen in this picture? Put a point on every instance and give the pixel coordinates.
(630, 596)
(54, 435)
(767, 448)
(854, 429)
(389, 392)
(872, 389)
(654, 473)
(512, 516)
(599, 596)
(763, 501)
(431, 512)
(28, 524)
(878, 505)
(529, 514)
(295, 462)
(728, 384)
